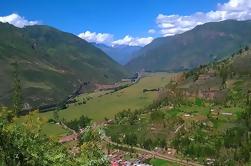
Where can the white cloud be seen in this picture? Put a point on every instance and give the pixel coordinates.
(131, 41)
(17, 20)
(175, 24)
(151, 31)
(106, 38)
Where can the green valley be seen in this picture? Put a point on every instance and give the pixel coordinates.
(100, 83)
(106, 104)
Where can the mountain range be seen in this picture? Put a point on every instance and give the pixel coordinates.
(201, 45)
(120, 53)
(52, 63)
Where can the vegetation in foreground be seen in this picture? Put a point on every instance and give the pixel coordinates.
(23, 144)
(26, 145)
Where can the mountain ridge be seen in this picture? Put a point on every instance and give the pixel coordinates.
(199, 46)
(52, 63)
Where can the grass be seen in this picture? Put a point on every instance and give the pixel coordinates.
(195, 110)
(53, 130)
(108, 105)
(34, 119)
(159, 162)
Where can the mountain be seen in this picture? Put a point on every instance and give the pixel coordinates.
(120, 53)
(200, 45)
(52, 63)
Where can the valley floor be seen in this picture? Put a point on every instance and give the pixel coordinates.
(106, 104)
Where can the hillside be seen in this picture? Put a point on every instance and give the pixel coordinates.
(226, 81)
(203, 114)
(120, 53)
(201, 45)
(52, 63)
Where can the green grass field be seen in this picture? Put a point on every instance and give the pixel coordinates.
(159, 162)
(101, 106)
(52, 130)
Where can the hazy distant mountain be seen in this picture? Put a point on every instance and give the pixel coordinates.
(192, 48)
(52, 63)
(120, 53)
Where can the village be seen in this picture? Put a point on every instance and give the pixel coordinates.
(130, 156)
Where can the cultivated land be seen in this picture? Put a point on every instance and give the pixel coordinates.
(104, 104)
(101, 105)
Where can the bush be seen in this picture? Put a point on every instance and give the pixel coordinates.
(52, 121)
(78, 124)
(199, 102)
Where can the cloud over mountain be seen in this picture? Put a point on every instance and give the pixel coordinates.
(108, 39)
(175, 24)
(17, 20)
(132, 41)
(96, 37)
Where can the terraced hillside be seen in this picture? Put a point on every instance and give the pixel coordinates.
(227, 81)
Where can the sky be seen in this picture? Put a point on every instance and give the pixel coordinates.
(122, 22)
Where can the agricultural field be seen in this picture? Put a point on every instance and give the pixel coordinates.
(100, 105)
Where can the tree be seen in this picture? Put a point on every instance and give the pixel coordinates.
(130, 139)
(224, 75)
(92, 155)
(21, 146)
(55, 115)
(162, 143)
(17, 91)
(81, 123)
(246, 48)
(90, 134)
(148, 144)
(29, 148)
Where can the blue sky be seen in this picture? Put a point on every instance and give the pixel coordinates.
(116, 18)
